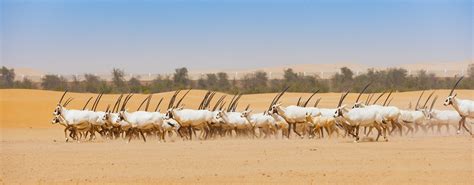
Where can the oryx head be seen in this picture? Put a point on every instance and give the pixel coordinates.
(59, 107)
(358, 105)
(169, 114)
(428, 113)
(220, 114)
(56, 120)
(246, 114)
(341, 108)
(274, 109)
(449, 100)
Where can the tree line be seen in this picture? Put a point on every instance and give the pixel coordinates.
(258, 82)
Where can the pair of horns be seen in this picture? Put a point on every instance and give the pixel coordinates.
(219, 103)
(362, 92)
(158, 105)
(386, 99)
(62, 97)
(455, 85)
(234, 102)
(125, 101)
(147, 99)
(277, 98)
(343, 96)
(96, 102)
(67, 102)
(173, 99)
(433, 103)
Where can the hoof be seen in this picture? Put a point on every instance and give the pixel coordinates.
(355, 141)
(458, 132)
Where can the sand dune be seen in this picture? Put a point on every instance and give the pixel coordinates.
(32, 151)
(33, 108)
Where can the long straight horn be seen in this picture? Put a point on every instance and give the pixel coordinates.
(62, 97)
(231, 102)
(307, 101)
(389, 101)
(206, 105)
(236, 102)
(170, 105)
(180, 100)
(317, 102)
(126, 101)
(84, 108)
(428, 99)
(208, 100)
(386, 99)
(65, 103)
(299, 101)
(108, 107)
(222, 106)
(158, 105)
(418, 101)
(68, 101)
(100, 97)
(117, 102)
(362, 92)
(95, 101)
(247, 108)
(343, 96)
(218, 103)
(455, 85)
(433, 103)
(143, 103)
(148, 103)
(369, 98)
(380, 96)
(204, 100)
(123, 106)
(273, 101)
(279, 96)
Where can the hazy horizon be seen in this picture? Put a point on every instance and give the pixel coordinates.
(158, 36)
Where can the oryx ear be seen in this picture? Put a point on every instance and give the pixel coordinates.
(455, 94)
(250, 110)
(344, 106)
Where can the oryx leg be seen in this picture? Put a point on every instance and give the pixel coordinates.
(464, 125)
(143, 135)
(460, 123)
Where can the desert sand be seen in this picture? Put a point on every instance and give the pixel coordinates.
(33, 151)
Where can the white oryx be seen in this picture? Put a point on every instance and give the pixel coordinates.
(465, 108)
(357, 117)
(441, 118)
(415, 117)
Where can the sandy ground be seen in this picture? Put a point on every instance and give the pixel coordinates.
(33, 151)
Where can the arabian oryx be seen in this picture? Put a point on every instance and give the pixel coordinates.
(415, 117)
(189, 118)
(141, 121)
(441, 118)
(357, 117)
(465, 108)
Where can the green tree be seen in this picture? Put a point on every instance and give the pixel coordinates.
(180, 78)
(92, 83)
(53, 82)
(7, 77)
(25, 84)
(118, 80)
(135, 85)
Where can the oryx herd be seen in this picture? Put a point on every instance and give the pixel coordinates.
(220, 120)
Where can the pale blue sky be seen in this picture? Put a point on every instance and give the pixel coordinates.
(158, 36)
